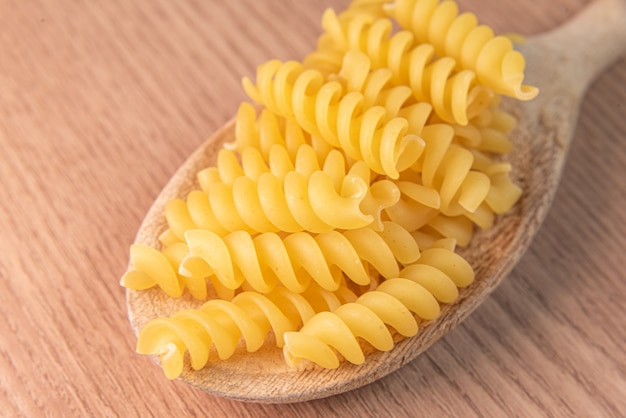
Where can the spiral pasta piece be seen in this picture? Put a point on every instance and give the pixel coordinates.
(282, 195)
(325, 110)
(376, 86)
(498, 66)
(278, 161)
(250, 317)
(418, 207)
(265, 260)
(433, 279)
(417, 211)
(455, 94)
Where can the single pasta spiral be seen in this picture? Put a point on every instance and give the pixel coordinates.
(279, 161)
(356, 75)
(455, 95)
(295, 260)
(282, 195)
(325, 110)
(418, 290)
(249, 316)
(498, 66)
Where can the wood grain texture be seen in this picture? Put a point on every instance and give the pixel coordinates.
(100, 102)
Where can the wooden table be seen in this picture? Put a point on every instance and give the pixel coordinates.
(100, 101)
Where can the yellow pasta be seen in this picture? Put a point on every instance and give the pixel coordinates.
(434, 278)
(503, 192)
(263, 131)
(473, 46)
(459, 228)
(455, 95)
(250, 317)
(282, 195)
(327, 110)
(331, 220)
(488, 132)
(442, 180)
(266, 260)
(154, 268)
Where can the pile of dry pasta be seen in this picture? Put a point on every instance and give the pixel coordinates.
(330, 223)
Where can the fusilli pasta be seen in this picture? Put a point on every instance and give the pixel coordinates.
(267, 259)
(223, 324)
(455, 94)
(497, 65)
(331, 220)
(282, 195)
(432, 279)
(326, 110)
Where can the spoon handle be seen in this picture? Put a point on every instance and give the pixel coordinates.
(576, 53)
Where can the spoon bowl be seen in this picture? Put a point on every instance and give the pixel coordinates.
(562, 63)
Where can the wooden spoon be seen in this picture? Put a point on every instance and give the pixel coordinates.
(562, 63)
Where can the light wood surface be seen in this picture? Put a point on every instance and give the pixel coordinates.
(100, 102)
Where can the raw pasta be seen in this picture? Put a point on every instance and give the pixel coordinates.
(455, 95)
(338, 115)
(265, 260)
(418, 290)
(283, 194)
(497, 65)
(266, 130)
(331, 221)
(249, 316)
(154, 268)
(239, 259)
